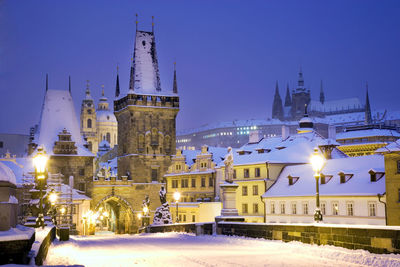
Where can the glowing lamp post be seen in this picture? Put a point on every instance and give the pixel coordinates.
(177, 196)
(40, 161)
(146, 218)
(53, 199)
(317, 162)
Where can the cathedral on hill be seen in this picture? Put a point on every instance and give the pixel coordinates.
(98, 126)
(293, 107)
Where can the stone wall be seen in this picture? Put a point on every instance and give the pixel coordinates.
(375, 240)
(195, 228)
(44, 247)
(16, 251)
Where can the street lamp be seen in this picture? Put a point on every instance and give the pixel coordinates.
(146, 219)
(40, 161)
(317, 162)
(177, 196)
(53, 199)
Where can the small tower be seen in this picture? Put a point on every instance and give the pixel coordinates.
(306, 124)
(300, 97)
(368, 116)
(321, 94)
(288, 99)
(277, 108)
(107, 125)
(88, 120)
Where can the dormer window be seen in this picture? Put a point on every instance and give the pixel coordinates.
(280, 147)
(344, 177)
(375, 175)
(292, 179)
(325, 178)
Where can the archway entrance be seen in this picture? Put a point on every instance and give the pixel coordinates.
(115, 215)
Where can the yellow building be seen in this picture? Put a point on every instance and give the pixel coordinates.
(365, 140)
(392, 170)
(192, 174)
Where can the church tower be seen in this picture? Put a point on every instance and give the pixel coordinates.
(107, 126)
(300, 98)
(277, 108)
(146, 116)
(88, 121)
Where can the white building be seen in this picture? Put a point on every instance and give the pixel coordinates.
(349, 189)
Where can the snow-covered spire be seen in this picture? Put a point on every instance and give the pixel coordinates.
(277, 108)
(368, 117)
(321, 94)
(117, 84)
(175, 85)
(288, 100)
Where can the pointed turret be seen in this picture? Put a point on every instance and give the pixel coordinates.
(288, 99)
(175, 85)
(69, 84)
(368, 116)
(117, 91)
(277, 108)
(88, 96)
(321, 94)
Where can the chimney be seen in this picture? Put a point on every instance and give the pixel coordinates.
(285, 132)
(254, 136)
(332, 132)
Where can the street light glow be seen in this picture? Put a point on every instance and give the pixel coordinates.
(40, 161)
(53, 198)
(317, 161)
(145, 209)
(177, 196)
(62, 210)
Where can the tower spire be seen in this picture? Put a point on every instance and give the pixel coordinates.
(288, 100)
(321, 94)
(102, 90)
(300, 83)
(69, 84)
(47, 82)
(277, 108)
(368, 116)
(152, 24)
(175, 85)
(87, 89)
(137, 22)
(117, 84)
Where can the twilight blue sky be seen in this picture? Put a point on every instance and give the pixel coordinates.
(229, 53)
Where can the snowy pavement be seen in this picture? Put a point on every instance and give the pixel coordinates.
(179, 249)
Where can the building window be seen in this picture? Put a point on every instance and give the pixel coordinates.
(193, 218)
(82, 187)
(323, 208)
(185, 183)
(180, 217)
(372, 209)
(89, 111)
(244, 190)
(154, 174)
(398, 166)
(257, 172)
(210, 182)
(350, 211)
(255, 190)
(305, 208)
(177, 166)
(294, 208)
(234, 174)
(108, 138)
(283, 208)
(82, 172)
(203, 181)
(174, 183)
(184, 217)
(245, 208)
(193, 182)
(89, 123)
(246, 173)
(255, 208)
(272, 207)
(335, 208)
(1, 144)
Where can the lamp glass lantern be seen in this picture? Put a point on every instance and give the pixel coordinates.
(317, 162)
(177, 196)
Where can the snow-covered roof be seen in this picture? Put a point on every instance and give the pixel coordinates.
(6, 174)
(21, 167)
(335, 105)
(218, 153)
(367, 133)
(294, 149)
(58, 112)
(392, 147)
(105, 116)
(65, 191)
(359, 184)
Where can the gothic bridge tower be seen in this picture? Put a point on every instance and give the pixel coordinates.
(146, 116)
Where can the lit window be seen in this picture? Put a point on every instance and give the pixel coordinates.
(246, 173)
(185, 183)
(257, 172)
(335, 208)
(255, 190)
(174, 183)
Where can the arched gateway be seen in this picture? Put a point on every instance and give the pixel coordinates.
(120, 214)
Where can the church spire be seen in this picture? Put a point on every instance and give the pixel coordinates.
(277, 109)
(137, 22)
(152, 24)
(288, 100)
(300, 82)
(47, 82)
(175, 85)
(321, 94)
(117, 84)
(368, 117)
(69, 84)
(87, 90)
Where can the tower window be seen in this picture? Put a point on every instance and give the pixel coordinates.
(154, 174)
(108, 137)
(89, 123)
(89, 111)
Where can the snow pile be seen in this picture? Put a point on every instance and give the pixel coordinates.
(6, 174)
(18, 233)
(177, 249)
